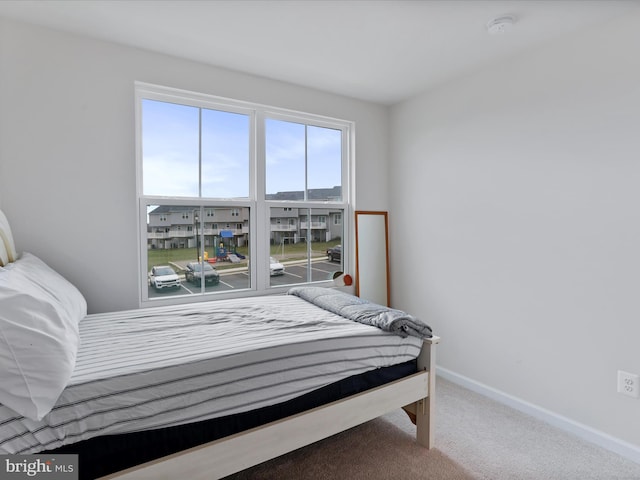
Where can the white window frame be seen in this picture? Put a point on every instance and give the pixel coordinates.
(259, 207)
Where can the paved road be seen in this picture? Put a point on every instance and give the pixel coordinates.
(296, 273)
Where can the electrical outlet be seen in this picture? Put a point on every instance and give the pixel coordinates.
(628, 384)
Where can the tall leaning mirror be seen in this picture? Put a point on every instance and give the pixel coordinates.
(372, 257)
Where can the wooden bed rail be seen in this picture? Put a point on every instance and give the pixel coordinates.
(237, 452)
(423, 409)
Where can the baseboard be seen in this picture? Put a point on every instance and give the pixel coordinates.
(625, 449)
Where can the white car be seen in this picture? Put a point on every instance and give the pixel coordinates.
(163, 277)
(275, 267)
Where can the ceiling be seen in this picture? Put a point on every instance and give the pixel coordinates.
(374, 50)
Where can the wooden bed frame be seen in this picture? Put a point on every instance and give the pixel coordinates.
(234, 453)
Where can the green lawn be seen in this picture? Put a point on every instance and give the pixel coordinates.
(297, 251)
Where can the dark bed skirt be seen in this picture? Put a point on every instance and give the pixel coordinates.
(103, 455)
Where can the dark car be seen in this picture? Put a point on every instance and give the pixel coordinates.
(335, 253)
(194, 272)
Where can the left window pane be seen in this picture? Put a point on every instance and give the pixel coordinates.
(170, 149)
(193, 250)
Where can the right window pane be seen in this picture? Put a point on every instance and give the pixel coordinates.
(303, 162)
(324, 163)
(306, 244)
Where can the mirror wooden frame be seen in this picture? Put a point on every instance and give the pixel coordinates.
(372, 256)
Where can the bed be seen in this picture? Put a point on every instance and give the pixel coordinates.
(198, 391)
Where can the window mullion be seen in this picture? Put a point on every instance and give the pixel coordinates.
(200, 152)
(306, 163)
(260, 268)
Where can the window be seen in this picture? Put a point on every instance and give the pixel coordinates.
(275, 182)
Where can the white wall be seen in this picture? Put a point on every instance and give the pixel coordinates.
(67, 153)
(515, 207)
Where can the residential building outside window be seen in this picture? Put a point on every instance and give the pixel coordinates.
(276, 182)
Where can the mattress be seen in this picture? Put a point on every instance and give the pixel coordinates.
(161, 367)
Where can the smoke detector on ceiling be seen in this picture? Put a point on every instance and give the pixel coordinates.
(501, 25)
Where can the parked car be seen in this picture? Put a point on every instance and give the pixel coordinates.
(195, 270)
(275, 267)
(162, 277)
(335, 253)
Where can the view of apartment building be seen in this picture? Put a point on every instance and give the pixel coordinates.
(173, 226)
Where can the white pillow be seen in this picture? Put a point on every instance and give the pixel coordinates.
(39, 335)
(7, 238)
(4, 256)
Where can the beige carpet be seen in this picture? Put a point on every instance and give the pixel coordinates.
(476, 438)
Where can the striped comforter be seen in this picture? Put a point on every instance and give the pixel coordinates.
(158, 367)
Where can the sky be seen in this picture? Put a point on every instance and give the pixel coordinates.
(171, 143)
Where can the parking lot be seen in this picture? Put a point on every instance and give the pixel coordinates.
(232, 279)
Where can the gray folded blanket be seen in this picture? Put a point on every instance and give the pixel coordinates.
(363, 311)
